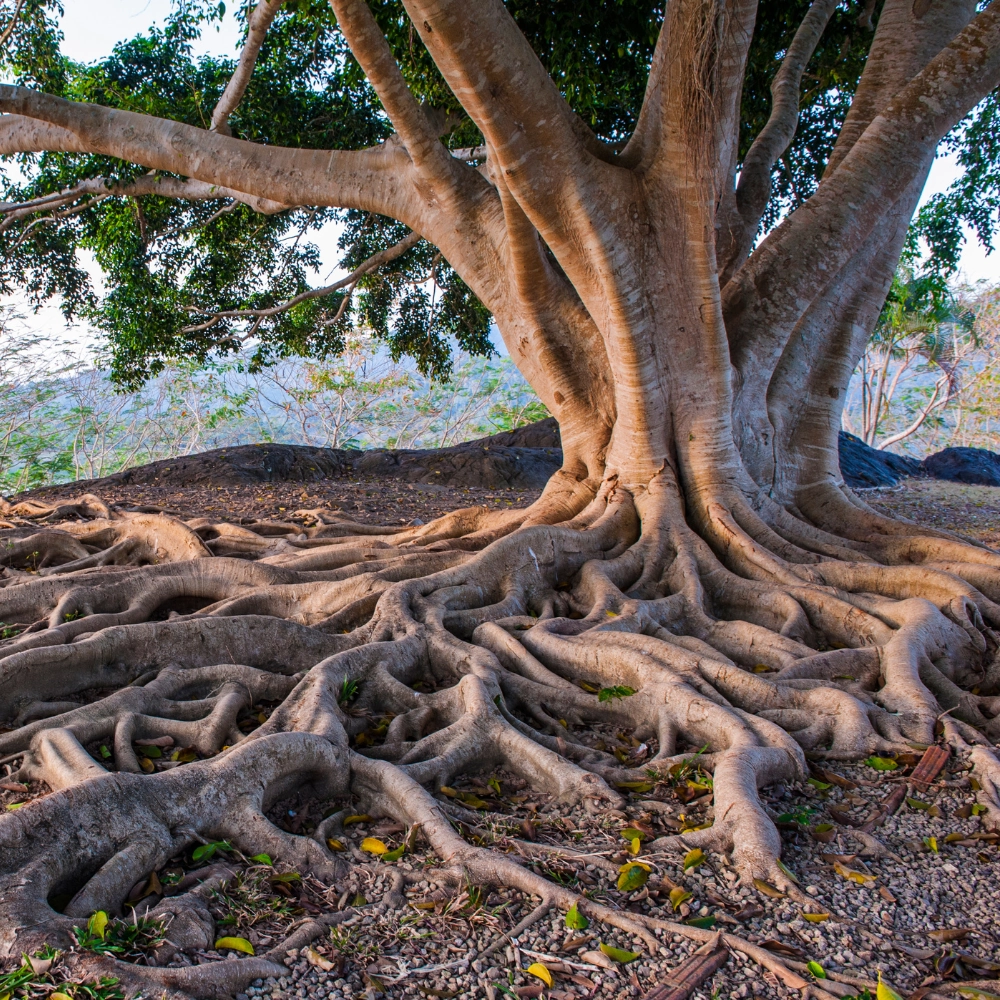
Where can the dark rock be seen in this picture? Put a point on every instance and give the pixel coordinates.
(976, 466)
(865, 467)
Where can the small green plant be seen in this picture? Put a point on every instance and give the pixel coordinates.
(125, 939)
(616, 691)
(40, 975)
(801, 815)
(348, 691)
(71, 616)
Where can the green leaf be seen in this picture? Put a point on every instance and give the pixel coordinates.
(703, 922)
(262, 859)
(395, 854)
(153, 753)
(816, 969)
(693, 858)
(786, 871)
(207, 851)
(635, 786)
(616, 691)
(633, 876)
(678, 895)
(816, 783)
(882, 763)
(575, 920)
(619, 954)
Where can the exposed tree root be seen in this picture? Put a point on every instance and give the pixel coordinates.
(484, 641)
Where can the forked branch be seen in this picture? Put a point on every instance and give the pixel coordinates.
(349, 282)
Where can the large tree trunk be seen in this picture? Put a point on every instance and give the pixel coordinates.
(698, 546)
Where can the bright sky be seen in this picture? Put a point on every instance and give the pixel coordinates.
(92, 28)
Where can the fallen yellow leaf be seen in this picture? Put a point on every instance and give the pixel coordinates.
(235, 944)
(373, 846)
(315, 958)
(539, 971)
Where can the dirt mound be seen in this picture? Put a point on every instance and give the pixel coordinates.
(520, 459)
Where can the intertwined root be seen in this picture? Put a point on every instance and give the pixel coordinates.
(483, 642)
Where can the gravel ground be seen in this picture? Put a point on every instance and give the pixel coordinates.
(891, 923)
(925, 915)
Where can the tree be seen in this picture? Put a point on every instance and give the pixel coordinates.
(698, 547)
(922, 327)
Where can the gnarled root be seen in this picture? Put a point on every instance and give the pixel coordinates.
(395, 662)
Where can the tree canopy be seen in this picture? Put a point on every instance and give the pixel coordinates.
(191, 278)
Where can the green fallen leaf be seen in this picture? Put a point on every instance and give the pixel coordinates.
(575, 920)
(206, 851)
(816, 783)
(635, 786)
(693, 858)
(816, 969)
(615, 691)
(619, 954)
(884, 992)
(786, 871)
(395, 854)
(262, 859)
(705, 923)
(974, 993)
(678, 895)
(633, 876)
(882, 763)
(154, 753)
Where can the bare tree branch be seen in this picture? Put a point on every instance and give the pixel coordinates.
(9, 30)
(99, 188)
(349, 281)
(260, 21)
(408, 119)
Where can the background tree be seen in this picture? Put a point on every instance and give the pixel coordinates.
(698, 547)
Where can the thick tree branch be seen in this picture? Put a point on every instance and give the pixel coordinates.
(260, 21)
(375, 57)
(754, 188)
(373, 179)
(496, 76)
(907, 39)
(819, 238)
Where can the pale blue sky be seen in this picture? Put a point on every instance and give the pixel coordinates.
(92, 28)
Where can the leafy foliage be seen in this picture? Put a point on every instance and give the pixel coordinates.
(184, 278)
(972, 200)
